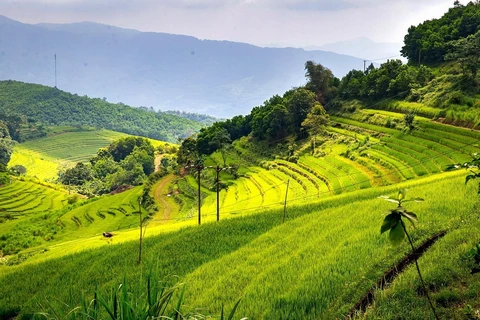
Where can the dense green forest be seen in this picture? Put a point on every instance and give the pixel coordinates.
(201, 118)
(432, 40)
(51, 106)
(445, 86)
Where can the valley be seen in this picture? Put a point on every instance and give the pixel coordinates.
(344, 198)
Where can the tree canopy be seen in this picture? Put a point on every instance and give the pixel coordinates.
(127, 161)
(428, 42)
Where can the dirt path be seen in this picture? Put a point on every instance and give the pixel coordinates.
(160, 195)
(157, 160)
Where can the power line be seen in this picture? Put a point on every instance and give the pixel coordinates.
(279, 204)
(406, 166)
(379, 59)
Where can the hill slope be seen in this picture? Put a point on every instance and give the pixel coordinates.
(165, 71)
(317, 264)
(55, 107)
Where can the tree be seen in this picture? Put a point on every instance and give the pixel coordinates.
(77, 175)
(320, 80)
(315, 122)
(18, 170)
(121, 148)
(409, 120)
(221, 140)
(428, 42)
(393, 223)
(187, 153)
(144, 159)
(467, 52)
(4, 134)
(299, 102)
(6, 150)
(103, 167)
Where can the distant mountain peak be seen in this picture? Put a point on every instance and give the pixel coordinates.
(6, 20)
(87, 27)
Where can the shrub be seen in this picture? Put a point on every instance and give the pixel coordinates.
(4, 178)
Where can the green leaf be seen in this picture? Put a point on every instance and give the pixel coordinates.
(412, 217)
(232, 313)
(469, 177)
(387, 198)
(402, 194)
(396, 234)
(389, 222)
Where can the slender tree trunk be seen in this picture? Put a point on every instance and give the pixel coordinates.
(419, 273)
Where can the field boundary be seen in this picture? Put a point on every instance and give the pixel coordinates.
(364, 302)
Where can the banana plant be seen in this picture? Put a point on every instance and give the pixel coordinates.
(394, 223)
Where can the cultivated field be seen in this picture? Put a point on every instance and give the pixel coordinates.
(358, 155)
(45, 156)
(317, 264)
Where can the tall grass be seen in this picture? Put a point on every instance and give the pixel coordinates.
(157, 300)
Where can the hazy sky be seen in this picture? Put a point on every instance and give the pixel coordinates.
(261, 22)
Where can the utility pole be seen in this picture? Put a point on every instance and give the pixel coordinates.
(217, 181)
(199, 167)
(217, 170)
(364, 66)
(141, 233)
(285, 204)
(55, 70)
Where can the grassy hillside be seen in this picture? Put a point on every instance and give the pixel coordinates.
(43, 157)
(315, 265)
(52, 106)
(27, 215)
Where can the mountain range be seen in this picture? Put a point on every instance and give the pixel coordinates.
(364, 48)
(159, 70)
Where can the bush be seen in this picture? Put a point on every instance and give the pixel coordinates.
(73, 199)
(4, 178)
(18, 170)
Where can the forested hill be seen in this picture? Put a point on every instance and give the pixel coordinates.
(52, 106)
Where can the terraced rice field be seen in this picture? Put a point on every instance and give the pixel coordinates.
(21, 198)
(43, 157)
(109, 213)
(377, 156)
(315, 265)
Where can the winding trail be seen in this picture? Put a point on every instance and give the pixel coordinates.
(160, 196)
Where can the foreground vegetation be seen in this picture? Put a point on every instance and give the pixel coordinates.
(360, 253)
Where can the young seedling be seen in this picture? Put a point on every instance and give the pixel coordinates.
(394, 223)
(472, 166)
